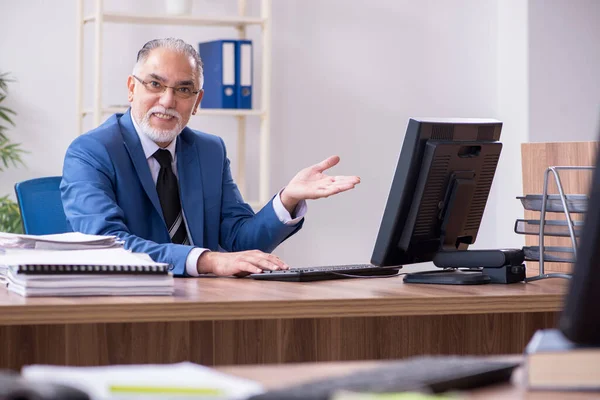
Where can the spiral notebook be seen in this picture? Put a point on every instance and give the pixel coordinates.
(85, 273)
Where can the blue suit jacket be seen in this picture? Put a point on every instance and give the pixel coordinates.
(107, 189)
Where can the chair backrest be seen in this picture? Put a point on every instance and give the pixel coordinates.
(41, 207)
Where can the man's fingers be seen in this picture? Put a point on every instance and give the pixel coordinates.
(346, 179)
(249, 267)
(327, 163)
(334, 188)
(276, 260)
(263, 262)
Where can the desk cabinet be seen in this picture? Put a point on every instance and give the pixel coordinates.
(221, 321)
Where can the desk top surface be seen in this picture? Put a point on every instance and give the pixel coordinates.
(279, 376)
(211, 298)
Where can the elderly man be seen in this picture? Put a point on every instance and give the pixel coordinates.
(167, 190)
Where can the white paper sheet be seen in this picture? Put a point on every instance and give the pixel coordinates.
(182, 380)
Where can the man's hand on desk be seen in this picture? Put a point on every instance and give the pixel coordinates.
(238, 264)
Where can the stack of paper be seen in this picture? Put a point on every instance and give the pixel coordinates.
(183, 380)
(62, 241)
(85, 273)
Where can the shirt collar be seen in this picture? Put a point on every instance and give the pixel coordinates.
(149, 146)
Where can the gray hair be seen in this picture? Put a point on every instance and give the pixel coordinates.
(176, 45)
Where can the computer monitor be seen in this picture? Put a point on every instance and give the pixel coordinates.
(439, 192)
(580, 319)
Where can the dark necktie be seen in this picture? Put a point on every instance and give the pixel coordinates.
(168, 193)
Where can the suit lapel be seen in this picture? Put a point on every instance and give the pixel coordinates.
(136, 153)
(190, 185)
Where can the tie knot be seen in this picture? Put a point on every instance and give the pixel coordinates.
(163, 157)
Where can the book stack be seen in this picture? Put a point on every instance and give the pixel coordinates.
(61, 241)
(555, 363)
(99, 266)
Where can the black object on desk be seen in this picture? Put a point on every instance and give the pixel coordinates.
(14, 387)
(482, 266)
(326, 273)
(438, 195)
(428, 374)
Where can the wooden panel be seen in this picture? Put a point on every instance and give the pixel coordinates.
(269, 341)
(399, 337)
(535, 321)
(23, 344)
(297, 340)
(202, 342)
(535, 158)
(240, 299)
(247, 342)
(87, 345)
(104, 344)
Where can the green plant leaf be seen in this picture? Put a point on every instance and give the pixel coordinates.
(10, 153)
(10, 217)
(4, 80)
(4, 115)
(7, 110)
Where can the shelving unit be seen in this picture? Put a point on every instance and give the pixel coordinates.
(569, 204)
(240, 23)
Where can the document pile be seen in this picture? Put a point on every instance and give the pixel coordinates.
(170, 381)
(34, 266)
(61, 241)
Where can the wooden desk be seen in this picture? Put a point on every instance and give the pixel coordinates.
(277, 376)
(222, 321)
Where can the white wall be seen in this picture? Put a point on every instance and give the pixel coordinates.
(39, 53)
(513, 110)
(347, 74)
(564, 51)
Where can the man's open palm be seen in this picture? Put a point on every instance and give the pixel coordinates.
(312, 183)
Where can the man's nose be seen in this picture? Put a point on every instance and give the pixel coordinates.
(167, 98)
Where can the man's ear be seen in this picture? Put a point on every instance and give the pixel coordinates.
(198, 100)
(130, 87)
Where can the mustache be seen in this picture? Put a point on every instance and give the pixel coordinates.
(162, 110)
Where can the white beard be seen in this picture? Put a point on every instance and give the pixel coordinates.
(159, 135)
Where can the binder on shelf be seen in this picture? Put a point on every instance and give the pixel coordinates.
(243, 73)
(220, 89)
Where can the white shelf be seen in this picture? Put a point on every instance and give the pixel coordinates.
(240, 22)
(201, 112)
(177, 20)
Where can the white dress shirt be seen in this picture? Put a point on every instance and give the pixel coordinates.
(191, 261)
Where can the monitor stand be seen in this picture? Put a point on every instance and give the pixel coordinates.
(448, 277)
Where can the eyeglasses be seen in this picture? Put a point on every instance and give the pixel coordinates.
(183, 92)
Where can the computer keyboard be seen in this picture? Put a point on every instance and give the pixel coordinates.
(429, 374)
(326, 273)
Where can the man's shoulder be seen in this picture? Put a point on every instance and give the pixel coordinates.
(201, 138)
(108, 130)
(106, 134)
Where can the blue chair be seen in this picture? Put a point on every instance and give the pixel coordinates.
(41, 207)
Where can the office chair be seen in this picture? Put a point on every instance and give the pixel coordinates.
(41, 207)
